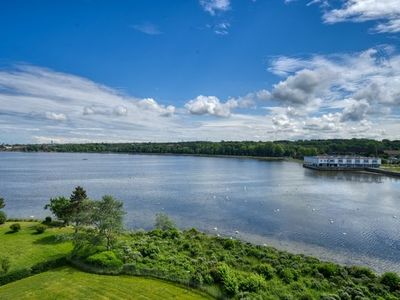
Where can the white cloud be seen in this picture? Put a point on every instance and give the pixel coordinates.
(147, 28)
(357, 111)
(214, 6)
(151, 104)
(210, 105)
(385, 12)
(32, 97)
(372, 75)
(222, 28)
(55, 116)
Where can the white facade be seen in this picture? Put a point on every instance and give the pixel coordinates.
(342, 161)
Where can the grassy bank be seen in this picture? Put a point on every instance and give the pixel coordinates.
(393, 168)
(69, 283)
(27, 248)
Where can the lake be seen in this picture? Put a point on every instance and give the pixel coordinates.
(350, 218)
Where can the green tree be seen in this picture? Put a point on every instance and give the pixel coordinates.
(163, 222)
(61, 208)
(78, 207)
(78, 195)
(3, 217)
(2, 203)
(107, 218)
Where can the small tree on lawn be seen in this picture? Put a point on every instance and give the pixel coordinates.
(61, 208)
(107, 218)
(79, 206)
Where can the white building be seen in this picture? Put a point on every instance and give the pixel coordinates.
(342, 161)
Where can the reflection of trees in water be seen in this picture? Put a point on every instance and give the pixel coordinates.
(346, 176)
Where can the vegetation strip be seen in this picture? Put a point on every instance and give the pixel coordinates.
(294, 149)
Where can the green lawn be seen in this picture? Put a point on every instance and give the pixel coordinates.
(394, 168)
(26, 248)
(68, 283)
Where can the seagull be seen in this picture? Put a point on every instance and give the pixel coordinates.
(237, 231)
(215, 228)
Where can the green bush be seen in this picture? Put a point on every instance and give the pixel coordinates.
(15, 227)
(14, 276)
(40, 228)
(328, 269)
(5, 265)
(306, 296)
(286, 275)
(266, 270)
(3, 217)
(106, 259)
(251, 282)
(227, 277)
(391, 280)
(47, 221)
(47, 265)
(360, 272)
(163, 222)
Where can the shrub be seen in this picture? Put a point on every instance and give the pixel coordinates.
(286, 275)
(150, 250)
(163, 222)
(226, 276)
(328, 269)
(391, 280)
(266, 270)
(47, 265)
(3, 217)
(228, 244)
(360, 272)
(106, 259)
(15, 227)
(306, 296)
(47, 221)
(40, 228)
(4, 264)
(251, 283)
(14, 276)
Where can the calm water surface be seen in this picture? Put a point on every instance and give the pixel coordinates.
(346, 217)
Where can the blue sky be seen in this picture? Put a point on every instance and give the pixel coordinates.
(80, 71)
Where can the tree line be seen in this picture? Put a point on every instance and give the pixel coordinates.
(283, 148)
